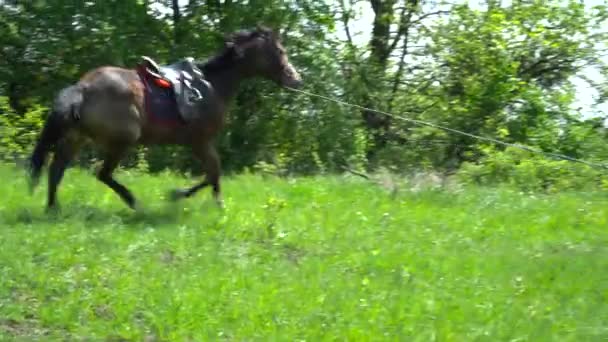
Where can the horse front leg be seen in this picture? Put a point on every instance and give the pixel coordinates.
(209, 157)
(104, 174)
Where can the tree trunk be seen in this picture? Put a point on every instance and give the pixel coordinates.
(384, 13)
(177, 29)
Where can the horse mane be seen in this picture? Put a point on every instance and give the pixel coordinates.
(229, 56)
(225, 59)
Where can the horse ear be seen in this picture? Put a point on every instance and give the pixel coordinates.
(259, 27)
(275, 34)
(228, 39)
(264, 31)
(237, 50)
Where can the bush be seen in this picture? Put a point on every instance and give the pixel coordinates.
(532, 172)
(18, 133)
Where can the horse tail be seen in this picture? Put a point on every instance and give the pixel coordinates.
(65, 111)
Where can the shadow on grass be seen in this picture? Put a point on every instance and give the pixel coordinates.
(89, 215)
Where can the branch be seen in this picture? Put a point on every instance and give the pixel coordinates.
(345, 20)
(399, 72)
(422, 17)
(356, 173)
(403, 26)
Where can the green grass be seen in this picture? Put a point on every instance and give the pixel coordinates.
(313, 259)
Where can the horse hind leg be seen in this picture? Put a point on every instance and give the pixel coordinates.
(104, 174)
(64, 154)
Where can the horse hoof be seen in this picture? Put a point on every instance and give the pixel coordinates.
(32, 187)
(136, 207)
(176, 195)
(220, 203)
(52, 209)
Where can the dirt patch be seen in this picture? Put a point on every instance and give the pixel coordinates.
(27, 328)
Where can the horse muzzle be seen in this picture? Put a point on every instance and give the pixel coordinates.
(291, 78)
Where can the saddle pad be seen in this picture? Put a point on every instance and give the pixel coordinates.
(160, 104)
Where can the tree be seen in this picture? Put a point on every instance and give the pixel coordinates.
(507, 71)
(503, 69)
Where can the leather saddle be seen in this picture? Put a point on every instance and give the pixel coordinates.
(185, 80)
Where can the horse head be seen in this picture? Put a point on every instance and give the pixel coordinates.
(262, 54)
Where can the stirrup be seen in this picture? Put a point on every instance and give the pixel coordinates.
(196, 95)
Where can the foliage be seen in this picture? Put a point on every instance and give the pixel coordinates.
(292, 259)
(500, 69)
(535, 173)
(506, 72)
(18, 133)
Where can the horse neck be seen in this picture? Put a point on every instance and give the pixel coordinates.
(225, 82)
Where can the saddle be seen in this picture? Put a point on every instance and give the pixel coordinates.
(183, 78)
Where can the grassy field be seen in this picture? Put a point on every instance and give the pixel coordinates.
(312, 259)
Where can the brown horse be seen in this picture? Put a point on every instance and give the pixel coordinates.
(106, 107)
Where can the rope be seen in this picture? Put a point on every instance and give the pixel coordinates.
(452, 130)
